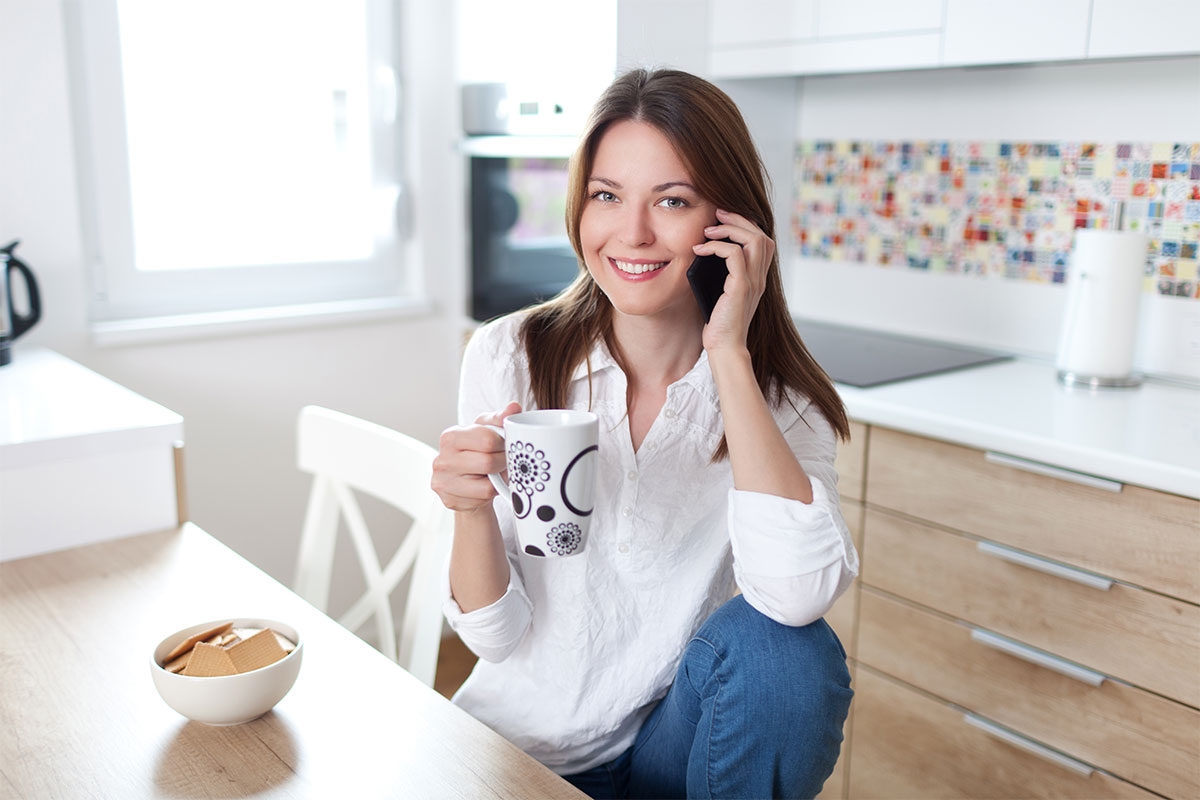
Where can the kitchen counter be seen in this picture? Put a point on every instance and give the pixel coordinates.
(1149, 436)
(52, 408)
(82, 459)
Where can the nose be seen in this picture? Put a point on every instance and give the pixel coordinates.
(636, 228)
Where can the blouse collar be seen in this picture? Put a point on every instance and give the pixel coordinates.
(699, 377)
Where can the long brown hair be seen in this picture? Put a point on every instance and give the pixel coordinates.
(712, 140)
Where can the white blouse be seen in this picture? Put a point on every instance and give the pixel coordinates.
(578, 650)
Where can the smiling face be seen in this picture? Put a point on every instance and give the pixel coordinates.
(639, 223)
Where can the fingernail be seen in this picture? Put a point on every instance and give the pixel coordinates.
(710, 229)
(698, 246)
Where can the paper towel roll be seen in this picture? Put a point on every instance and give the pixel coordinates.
(1104, 287)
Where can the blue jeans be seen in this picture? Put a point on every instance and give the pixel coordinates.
(756, 711)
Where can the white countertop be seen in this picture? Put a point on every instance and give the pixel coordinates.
(1148, 436)
(52, 408)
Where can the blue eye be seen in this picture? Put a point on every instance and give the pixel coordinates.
(673, 202)
(604, 196)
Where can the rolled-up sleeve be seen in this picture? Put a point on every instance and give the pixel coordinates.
(488, 382)
(792, 560)
(494, 631)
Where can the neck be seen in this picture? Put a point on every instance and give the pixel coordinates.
(656, 352)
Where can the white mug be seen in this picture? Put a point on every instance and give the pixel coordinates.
(551, 459)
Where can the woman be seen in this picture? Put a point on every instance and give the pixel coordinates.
(625, 669)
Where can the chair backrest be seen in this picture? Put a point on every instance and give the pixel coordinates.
(345, 453)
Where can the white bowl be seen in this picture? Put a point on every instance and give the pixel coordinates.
(227, 699)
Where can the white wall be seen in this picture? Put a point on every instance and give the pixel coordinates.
(239, 396)
(1152, 100)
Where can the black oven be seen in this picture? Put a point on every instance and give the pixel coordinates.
(517, 152)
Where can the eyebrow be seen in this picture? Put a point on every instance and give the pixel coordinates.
(662, 187)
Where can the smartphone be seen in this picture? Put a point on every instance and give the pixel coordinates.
(707, 276)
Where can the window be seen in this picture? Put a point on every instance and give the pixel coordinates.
(236, 154)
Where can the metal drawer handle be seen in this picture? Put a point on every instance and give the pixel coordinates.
(1028, 745)
(1039, 468)
(1038, 657)
(1045, 565)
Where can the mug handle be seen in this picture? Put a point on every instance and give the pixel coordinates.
(494, 477)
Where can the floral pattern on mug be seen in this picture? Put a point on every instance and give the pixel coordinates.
(565, 538)
(528, 468)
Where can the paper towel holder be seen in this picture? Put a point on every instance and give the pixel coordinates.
(1077, 380)
(1096, 347)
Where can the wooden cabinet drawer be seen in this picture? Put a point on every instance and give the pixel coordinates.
(844, 614)
(1130, 732)
(851, 462)
(1138, 636)
(1148, 538)
(906, 745)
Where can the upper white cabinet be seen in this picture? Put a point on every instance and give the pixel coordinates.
(877, 17)
(763, 38)
(798, 37)
(754, 22)
(1123, 28)
(1015, 31)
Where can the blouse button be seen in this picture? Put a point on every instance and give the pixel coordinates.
(669, 413)
(631, 475)
(626, 511)
(622, 548)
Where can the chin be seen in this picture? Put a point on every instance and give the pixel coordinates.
(678, 310)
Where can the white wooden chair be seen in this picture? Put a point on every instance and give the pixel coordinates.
(344, 453)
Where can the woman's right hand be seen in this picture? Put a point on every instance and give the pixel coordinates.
(466, 454)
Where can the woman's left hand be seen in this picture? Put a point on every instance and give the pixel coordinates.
(748, 257)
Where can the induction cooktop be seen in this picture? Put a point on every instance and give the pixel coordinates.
(863, 358)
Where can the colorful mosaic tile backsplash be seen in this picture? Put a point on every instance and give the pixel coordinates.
(998, 208)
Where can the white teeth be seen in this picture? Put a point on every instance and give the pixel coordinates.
(638, 269)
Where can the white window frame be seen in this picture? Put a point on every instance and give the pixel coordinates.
(127, 303)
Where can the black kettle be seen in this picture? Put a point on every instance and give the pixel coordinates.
(13, 324)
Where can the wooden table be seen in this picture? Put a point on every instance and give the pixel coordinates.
(79, 715)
